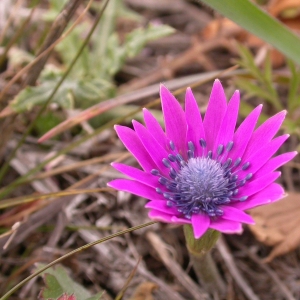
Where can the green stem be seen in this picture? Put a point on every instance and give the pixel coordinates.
(203, 263)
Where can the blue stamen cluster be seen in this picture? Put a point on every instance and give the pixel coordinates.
(204, 183)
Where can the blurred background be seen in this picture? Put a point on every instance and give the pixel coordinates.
(69, 71)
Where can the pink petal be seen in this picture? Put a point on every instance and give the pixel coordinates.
(244, 133)
(135, 188)
(226, 226)
(237, 215)
(155, 129)
(154, 149)
(272, 192)
(258, 184)
(160, 216)
(258, 159)
(166, 218)
(195, 129)
(214, 114)
(174, 117)
(134, 145)
(137, 174)
(182, 221)
(264, 134)
(162, 206)
(275, 163)
(226, 132)
(200, 224)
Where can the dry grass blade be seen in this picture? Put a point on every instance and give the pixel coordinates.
(234, 271)
(74, 166)
(43, 54)
(104, 106)
(5, 167)
(174, 267)
(26, 199)
(131, 275)
(14, 10)
(80, 249)
(16, 36)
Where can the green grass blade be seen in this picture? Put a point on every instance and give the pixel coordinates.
(253, 19)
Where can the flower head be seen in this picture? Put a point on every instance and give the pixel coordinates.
(203, 173)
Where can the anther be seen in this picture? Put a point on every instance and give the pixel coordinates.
(235, 191)
(209, 154)
(169, 203)
(227, 163)
(155, 172)
(172, 173)
(166, 163)
(249, 176)
(190, 154)
(237, 162)
(246, 165)
(191, 146)
(158, 190)
(242, 182)
(243, 198)
(172, 146)
(163, 180)
(172, 157)
(202, 143)
(229, 146)
(220, 149)
(233, 178)
(179, 158)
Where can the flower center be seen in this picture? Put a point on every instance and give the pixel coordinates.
(201, 184)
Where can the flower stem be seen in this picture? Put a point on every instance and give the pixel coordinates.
(203, 263)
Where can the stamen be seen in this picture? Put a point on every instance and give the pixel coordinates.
(209, 154)
(229, 146)
(172, 173)
(237, 162)
(246, 166)
(172, 146)
(249, 176)
(158, 190)
(220, 149)
(227, 163)
(155, 172)
(190, 154)
(202, 143)
(191, 146)
(166, 163)
(172, 157)
(243, 198)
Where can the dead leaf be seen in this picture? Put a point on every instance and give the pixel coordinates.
(144, 291)
(278, 7)
(278, 225)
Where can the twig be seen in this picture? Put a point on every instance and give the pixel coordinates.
(234, 271)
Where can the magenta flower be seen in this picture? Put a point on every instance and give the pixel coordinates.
(203, 173)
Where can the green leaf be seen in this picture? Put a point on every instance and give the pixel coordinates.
(96, 297)
(53, 289)
(82, 92)
(58, 282)
(255, 20)
(137, 39)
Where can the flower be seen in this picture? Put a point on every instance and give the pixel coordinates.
(203, 173)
